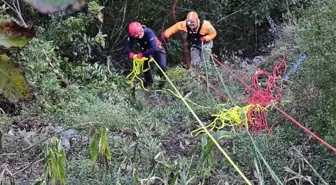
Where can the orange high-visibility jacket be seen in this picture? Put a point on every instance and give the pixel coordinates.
(206, 30)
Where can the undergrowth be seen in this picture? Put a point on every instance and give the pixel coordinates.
(149, 133)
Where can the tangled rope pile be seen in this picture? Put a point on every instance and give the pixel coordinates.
(138, 68)
(257, 119)
(258, 100)
(267, 98)
(233, 118)
(271, 92)
(261, 98)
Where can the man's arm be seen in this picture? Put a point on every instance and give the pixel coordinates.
(179, 26)
(211, 31)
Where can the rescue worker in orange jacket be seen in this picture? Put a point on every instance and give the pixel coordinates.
(198, 32)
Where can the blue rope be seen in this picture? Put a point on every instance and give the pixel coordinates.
(297, 64)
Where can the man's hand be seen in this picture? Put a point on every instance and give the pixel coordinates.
(131, 55)
(139, 56)
(203, 39)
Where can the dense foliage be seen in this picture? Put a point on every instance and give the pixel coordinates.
(75, 66)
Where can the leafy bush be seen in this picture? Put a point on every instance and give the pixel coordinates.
(150, 132)
(77, 37)
(316, 77)
(311, 87)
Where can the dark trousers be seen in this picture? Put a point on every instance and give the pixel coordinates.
(161, 58)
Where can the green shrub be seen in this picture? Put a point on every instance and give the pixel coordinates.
(315, 80)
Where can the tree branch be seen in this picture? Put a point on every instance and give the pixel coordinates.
(30, 164)
(18, 5)
(8, 5)
(0, 141)
(17, 10)
(108, 66)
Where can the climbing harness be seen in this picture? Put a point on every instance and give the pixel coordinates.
(253, 115)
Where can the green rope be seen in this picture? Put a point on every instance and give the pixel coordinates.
(206, 73)
(260, 166)
(221, 79)
(274, 176)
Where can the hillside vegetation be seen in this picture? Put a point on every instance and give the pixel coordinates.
(70, 116)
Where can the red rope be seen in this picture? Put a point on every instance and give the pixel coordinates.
(306, 129)
(163, 25)
(163, 39)
(265, 97)
(174, 10)
(270, 130)
(256, 119)
(271, 92)
(222, 66)
(257, 95)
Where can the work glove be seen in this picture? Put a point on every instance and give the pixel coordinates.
(131, 55)
(203, 39)
(139, 56)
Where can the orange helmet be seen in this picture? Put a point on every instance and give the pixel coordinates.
(192, 15)
(192, 19)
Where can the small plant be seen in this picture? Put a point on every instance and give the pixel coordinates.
(54, 167)
(100, 147)
(177, 173)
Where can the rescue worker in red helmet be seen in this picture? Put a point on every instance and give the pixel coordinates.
(151, 46)
(198, 31)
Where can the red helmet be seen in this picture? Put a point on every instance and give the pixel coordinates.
(134, 29)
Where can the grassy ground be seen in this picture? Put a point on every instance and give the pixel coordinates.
(149, 134)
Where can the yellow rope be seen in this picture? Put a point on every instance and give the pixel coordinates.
(138, 68)
(203, 127)
(227, 118)
(232, 117)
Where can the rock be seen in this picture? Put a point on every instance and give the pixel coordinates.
(68, 134)
(181, 146)
(115, 137)
(258, 60)
(66, 137)
(51, 129)
(26, 134)
(11, 132)
(66, 144)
